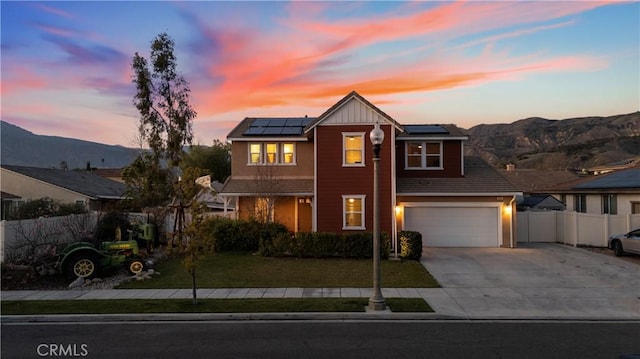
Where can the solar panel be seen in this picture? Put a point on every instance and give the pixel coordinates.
(292, 130)
(260, 122)
(253, 131)
(294, 122)
(277, 126)
(277, 122)
(425, 129)
(272, 130)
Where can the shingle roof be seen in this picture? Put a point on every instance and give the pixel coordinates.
(240, 131)
(86, 183)
(532, 181)
(479, 178)
(288, 187)
(623, 180)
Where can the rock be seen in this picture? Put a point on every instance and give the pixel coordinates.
(79, 282)
(87, 282)
(151, 271)
(97, 280)
(138, 277)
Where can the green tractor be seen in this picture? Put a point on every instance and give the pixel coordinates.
(84, 260)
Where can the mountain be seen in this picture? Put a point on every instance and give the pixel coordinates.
(558, 144)
(22, 148)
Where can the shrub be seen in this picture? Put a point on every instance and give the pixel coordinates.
(323, 245)
(240, 235)
(107, 224)
(410, 245)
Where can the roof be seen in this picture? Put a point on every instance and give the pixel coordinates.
(627, 180)
(531, 181)
(542, 201)
(344, 100)
(83, 182)
(479, 178)
(285, 187)
(263, 127)
(7, 195)
(415, 131)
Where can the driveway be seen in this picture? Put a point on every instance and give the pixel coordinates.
(536, 280)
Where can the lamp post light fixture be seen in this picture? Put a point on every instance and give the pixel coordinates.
(376, 301)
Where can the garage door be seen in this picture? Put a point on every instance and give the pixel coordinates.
(454, 226)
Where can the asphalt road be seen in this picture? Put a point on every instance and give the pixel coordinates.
(322, 339)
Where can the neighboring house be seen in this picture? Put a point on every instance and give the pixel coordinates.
(533, 184)
(541, 202)
(316, 174)
(114, 174)
(611, 193)
(210, 196)
(31, 183)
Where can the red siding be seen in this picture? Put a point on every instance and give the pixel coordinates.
(334, 180)
(451, 158)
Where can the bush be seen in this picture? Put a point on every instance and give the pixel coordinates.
(410, 245)
(323, 245)
(107, 224)
(240, 235)
(46, 207)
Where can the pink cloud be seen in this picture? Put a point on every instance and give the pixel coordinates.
(21, 78)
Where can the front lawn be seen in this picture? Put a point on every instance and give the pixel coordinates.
(245, 270)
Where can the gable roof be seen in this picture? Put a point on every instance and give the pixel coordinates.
(622, 181)
(83, 182)
(352, 95)
(537, 181)
(479, 178)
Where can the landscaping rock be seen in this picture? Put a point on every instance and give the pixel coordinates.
(79, 282)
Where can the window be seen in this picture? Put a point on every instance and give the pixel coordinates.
(424, 155)
(272, 153)
(353, 146)
(609, 204)
(255, 153)
(353, 212)
(264, 210)
(580, 203)
(287, 153)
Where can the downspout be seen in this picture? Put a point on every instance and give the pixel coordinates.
(513, 221)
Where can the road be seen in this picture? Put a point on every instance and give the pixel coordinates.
(322, 339)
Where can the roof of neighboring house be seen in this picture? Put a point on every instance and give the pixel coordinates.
(541, 201)
(627, 180)
(108, 172)
(6, 195)
(83, 182)
(479, 178)
(531, 181)
(283, 187)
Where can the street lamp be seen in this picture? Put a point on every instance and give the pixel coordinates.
(376, 302)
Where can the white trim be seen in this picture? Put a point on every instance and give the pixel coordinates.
(363, 218)
(462, 158)
(314, 211)
(466, 194)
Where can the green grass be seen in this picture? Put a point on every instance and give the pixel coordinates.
(244, 270)
(265, 305)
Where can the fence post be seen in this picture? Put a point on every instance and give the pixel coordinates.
(577, 229)
(2, 223)
(606, 218)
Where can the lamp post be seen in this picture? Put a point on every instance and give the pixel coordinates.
(376, 301)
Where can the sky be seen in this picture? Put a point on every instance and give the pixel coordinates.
(66, 66)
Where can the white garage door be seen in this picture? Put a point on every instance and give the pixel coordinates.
(454, 226)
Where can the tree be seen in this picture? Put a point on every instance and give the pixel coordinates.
(162, 98)
(214, 160)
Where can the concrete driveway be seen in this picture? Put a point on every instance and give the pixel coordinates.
(534, 281)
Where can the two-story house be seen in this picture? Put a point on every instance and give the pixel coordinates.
(316, 174)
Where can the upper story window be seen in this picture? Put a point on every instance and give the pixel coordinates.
(424, 155)
(353, 149)
(272, 153)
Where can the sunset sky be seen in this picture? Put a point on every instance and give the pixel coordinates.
(66, 66)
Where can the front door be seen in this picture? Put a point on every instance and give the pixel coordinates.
(304, 214)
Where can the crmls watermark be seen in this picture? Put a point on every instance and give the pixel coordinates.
(62, 350)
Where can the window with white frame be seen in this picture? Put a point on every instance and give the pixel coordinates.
(353, 211)
(288, 153)
(423, 155)
(353, 149)
(255, 153)
(272, 153)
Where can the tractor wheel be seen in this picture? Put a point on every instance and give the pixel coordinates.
(82, 265)
(135, 266)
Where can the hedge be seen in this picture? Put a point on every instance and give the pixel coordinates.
(322, 245)
(239, 235)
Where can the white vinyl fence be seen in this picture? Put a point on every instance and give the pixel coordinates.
(577, 229)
